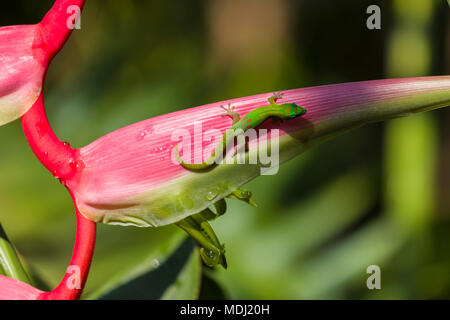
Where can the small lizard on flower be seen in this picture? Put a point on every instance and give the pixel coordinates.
(197, 226)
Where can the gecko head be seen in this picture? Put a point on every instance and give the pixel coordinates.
(296, 111)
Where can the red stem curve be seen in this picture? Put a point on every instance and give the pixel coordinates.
(60, 159)
(54, 25)
(72, 284)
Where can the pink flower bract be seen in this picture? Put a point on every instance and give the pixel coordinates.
(128, 176)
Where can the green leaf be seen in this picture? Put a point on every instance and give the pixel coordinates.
(174, 274)
(187, 285)
(10, 264)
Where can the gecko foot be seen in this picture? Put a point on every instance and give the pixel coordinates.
(276, 95)
(243, 195)
(229, 109)
(230, 112)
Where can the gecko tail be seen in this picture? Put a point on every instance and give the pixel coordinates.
(189, 166)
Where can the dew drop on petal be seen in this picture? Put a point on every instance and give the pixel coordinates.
(156, 263)
(55, 174)
(211, 195)
(163, 148)
(159, 149)
(73, 164)
(141, 135)
(149, 130)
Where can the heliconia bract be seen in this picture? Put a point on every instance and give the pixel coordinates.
(11, 289)
(22, 69)
(128, 176)
(25, 53)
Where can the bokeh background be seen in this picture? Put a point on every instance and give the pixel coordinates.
(378, 195)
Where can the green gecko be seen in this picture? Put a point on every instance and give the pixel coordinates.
(197, 226)
(252, 119)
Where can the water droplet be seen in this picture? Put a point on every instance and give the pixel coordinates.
(46, 154)
(67, 144)
(55, 174)
(159, 149)
(149, 130)
(211, 195)
(141, 136)
(210, 254)
(155, 263)
(73, 164)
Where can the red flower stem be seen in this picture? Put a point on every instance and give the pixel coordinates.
(54, 25)
(56, 156)
(72, 284)
(59, 158)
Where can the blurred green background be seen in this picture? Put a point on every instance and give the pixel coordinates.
(379, 195)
